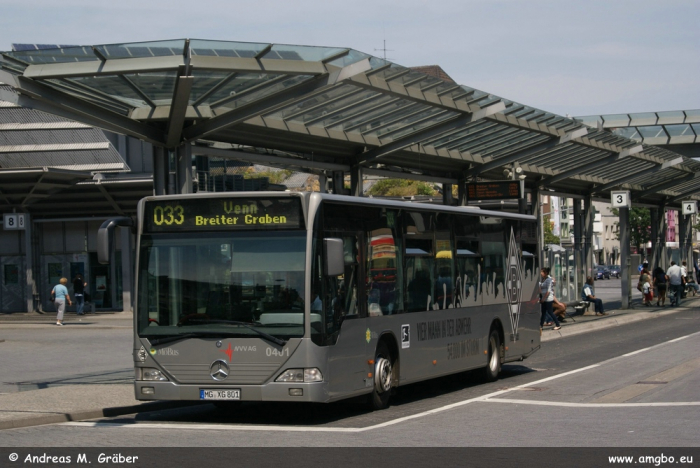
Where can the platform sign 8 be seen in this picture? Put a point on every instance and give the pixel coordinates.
(620, 199)
(13, 221)
(690, 207)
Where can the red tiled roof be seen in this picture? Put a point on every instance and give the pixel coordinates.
(434, 70)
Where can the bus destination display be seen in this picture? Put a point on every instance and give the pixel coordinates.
(221, 214)
(502, 190)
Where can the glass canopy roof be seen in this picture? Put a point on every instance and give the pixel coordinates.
(653, 128)
(335, 103)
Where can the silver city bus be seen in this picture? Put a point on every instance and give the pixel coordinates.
(313, 297)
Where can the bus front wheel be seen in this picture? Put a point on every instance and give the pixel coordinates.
(493, 365)
(383, 375)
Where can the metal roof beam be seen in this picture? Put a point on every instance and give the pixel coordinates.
(578, 170)
(636, 175)
(267, 159)
(322, 104)
(46, 71)
(44, 98)
(250, 90)
(253, 65)
(111, 201)
(430, 132)
(361, 113)
(138, 91)
(350, 106)
(667, 185)
(214, 89)
(274, 101)
(694, 191)
(408, 175)
(578, 133)
(178, 109)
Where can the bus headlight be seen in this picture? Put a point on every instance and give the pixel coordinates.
(301, 375)
(149, 373)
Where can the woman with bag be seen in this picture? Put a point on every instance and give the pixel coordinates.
(647, 290)
(60, 292)
(547, 299)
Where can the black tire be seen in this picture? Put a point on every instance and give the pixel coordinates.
(382, 378)
(493, 364)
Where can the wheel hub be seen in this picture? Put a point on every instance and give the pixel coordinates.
(382, 375)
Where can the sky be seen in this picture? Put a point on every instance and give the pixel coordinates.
(578, 58)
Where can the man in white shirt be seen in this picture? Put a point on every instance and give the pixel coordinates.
(675, 280)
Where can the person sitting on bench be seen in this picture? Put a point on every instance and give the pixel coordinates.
(587, 295)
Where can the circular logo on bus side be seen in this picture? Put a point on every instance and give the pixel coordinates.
(219, 370)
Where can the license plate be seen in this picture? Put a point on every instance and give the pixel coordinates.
(234, 394)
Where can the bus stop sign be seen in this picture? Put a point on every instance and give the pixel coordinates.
(690, 207)
(620, 199)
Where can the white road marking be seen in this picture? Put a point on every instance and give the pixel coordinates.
(592, 405)
(484, 398)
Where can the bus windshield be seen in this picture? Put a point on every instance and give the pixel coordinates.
(235, 284)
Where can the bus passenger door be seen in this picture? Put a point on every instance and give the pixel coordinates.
(346, 320)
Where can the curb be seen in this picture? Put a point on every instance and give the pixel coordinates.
(610, 322)
(93, 414)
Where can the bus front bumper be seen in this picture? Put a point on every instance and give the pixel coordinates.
(274, 391)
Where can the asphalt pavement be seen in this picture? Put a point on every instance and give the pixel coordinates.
(89, 401)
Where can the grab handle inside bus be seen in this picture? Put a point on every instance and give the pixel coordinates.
(335, 257)
(105, 237)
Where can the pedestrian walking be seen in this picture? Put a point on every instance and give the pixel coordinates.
(60, 292)
(675, 283)
(547, 299)
(660, 281)
(79, 293)
(647, 290)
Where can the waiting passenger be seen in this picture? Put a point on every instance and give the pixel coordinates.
(587, 295)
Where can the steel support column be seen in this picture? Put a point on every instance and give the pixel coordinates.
(462, 192)
(323, 183)
(29, 263)
(127, 271)
(160, 170)
(339, 183)
(656, 229)
(183, 169)
(537, 205)
(625, 259)
(578, 243)
(685, 238)
(588, 245)
(447, 195)
(356, 183)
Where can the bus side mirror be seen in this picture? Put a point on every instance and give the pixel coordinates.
(335, 256)
(105, 237)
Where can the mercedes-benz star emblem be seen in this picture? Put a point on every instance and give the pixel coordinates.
(219, 370)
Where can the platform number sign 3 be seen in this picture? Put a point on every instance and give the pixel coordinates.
(690, 207)
(620, 199)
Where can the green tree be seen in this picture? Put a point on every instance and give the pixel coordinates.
(640, 226)
(549, 238)
(400, 188)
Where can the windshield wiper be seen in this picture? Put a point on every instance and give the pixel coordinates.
(267, 336)
(170, 339)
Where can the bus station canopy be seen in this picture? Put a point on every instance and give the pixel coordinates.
(332, 109)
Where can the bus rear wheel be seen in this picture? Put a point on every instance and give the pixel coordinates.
(493, 365)
(383, 378)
